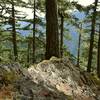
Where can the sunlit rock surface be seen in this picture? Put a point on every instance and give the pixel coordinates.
(17, 84)
(54, 79)
(62, 75)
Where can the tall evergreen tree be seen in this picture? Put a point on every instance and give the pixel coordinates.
(34, 15)
(79, 46)
(61, 35)
(29, 40)
(14, 32)
(98, 55)
(92, 37)
(52, 36)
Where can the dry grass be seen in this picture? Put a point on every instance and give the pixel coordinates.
(6, 93)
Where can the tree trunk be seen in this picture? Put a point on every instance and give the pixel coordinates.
(28, 51)
(61, 39)
(98, 56)
(79, 45)
(34, 28)
(52, 35)
(92, 38)
(14, 33)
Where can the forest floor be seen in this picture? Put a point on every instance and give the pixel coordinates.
(54, 79)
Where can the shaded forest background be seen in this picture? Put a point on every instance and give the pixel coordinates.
(50, 35)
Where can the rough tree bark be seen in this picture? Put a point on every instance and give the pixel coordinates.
(79, 45)
(28, 50)
(34, 28)
(92, 38)
(14, 33)
(61, 34)
(98, 56)
(52, 36)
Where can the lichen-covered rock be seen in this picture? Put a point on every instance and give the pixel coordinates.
(64, 76)
(54, 79)
(9, 73)
(17, 84)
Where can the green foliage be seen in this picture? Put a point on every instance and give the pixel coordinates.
(65, 9)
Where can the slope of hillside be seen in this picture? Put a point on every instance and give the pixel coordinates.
(54, 79)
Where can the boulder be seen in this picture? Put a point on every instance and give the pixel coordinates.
(17, 84)
(54, 79)
(63, 76)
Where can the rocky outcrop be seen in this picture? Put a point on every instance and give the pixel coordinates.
(63, 76)
(54, 79)
(17, 84)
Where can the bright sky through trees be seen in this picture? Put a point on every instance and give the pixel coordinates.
(29, 11)
(84, 2)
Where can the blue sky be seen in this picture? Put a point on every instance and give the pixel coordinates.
(72, 44)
